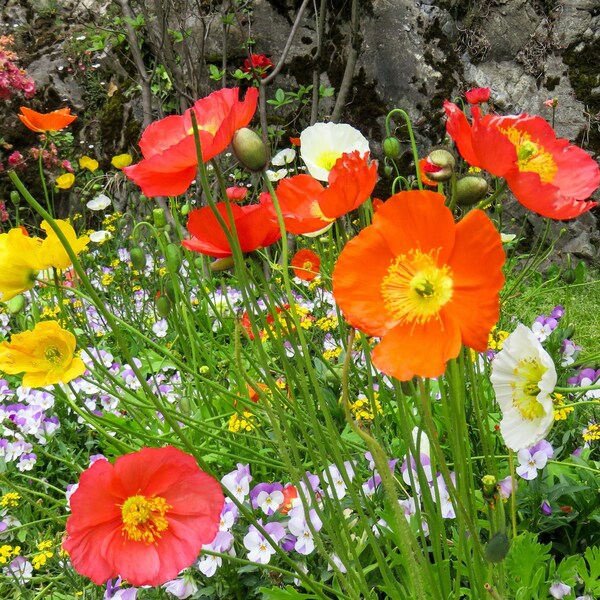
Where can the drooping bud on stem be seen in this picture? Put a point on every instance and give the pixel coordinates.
(391, 147)
(470, 190)
(440, 164)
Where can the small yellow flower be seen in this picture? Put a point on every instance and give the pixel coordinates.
(592, 432)
(560, 413)
(85, 162)
(121, 161)
(45, 355)
(65, 181)
(52, 250)
(10, 500)
(363, 409)
(245, 422)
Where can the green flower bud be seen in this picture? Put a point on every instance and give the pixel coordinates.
(470, 190)
(488, 483)
(158, 217)
(185, 209)
(221, 264)
(497, 548)
(15, 197)
(388, 170)
(249, 149)
(16, 304)
(569, 276)
(170, 290)
(444, 160)
(391, 147)
(173, 257)
(163, 306)
(138, 258)
(204, 370)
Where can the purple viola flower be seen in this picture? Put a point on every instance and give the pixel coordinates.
(446, 506)
(117, 592)
(543, 326)
(182, 587)
(208, 564)
(546, 508)
(299, 527)
(543, 446)
(558, 312)
(505, 487)
(267, 496)
(531, 461)
(569, 351)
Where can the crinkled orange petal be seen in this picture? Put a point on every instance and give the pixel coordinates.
(459, 129)
(41, 122)
(477, 277)
(410, 349)
(299, 202)
(416, 215)
(357, 279)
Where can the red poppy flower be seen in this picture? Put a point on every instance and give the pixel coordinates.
(295, 141)
(145, 518)
(426, 167)
(377, 204)
(422, 283)
(546, 174)
(42, 122)
(236, 193)
(256, 226)
(306, 264)
(170, 160)
(307, 206)
(257, 63)
(478, 95)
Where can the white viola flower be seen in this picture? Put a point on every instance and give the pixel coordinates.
(523, 377)
(299, 527)
(99, 202)
(530, 463)
(276, 175)
(259, 548)
(322, 144)
(269, 502)
(507, 238)
(446, 506)
(336, 486)
(160, 328)
(283, 157)
(559, 589)
(100, 236)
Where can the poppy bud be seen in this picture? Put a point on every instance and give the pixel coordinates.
(159, 218)
(163, 306)
(388, 170)
(250, 149)
(185, 209)
(15, 197)
(391, 147)
(440, 164)
(569, 276)
(138, 258)
(16, 304)
(173, 257)
(470, 190)
(170, 290)
(497, 548)
(221, 264)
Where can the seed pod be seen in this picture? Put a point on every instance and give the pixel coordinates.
(221, 264)
(16, 304)
(159, 218)
(173, 257)
(170, 290)
(185, 209)
(138, 258)
(470, 190)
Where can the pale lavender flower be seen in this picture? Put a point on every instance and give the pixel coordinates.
(333, 478)
(300, 528)
(238, 482)
(208, 564)
(530, 463)
(559, 589)
(267, 496)
(446, 507)
(182, 587)
(259, 548)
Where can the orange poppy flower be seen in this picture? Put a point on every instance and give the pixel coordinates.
(306, 264)
(546, 174)
(256, 226)
(422, 283)
(42, 122)
(145, 518)
(308, 207)
(170, 160)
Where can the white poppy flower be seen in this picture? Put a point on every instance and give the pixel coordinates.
(100, 236)
(99, 202)
(523, 377)
(283, 157)
(322, 144)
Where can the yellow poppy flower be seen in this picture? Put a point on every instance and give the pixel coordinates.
(121, 160)
(45, 355)
(52, 249)
(85, 162)
(65, 181)
(20, 259)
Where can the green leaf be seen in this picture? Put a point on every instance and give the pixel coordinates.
(280, 95)
(524, 560)
(289, 593)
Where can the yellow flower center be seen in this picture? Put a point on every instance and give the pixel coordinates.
(415, 288)
(528, 374)
(53, 355)
(144, 518)
(532, 157)
(327, 159)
